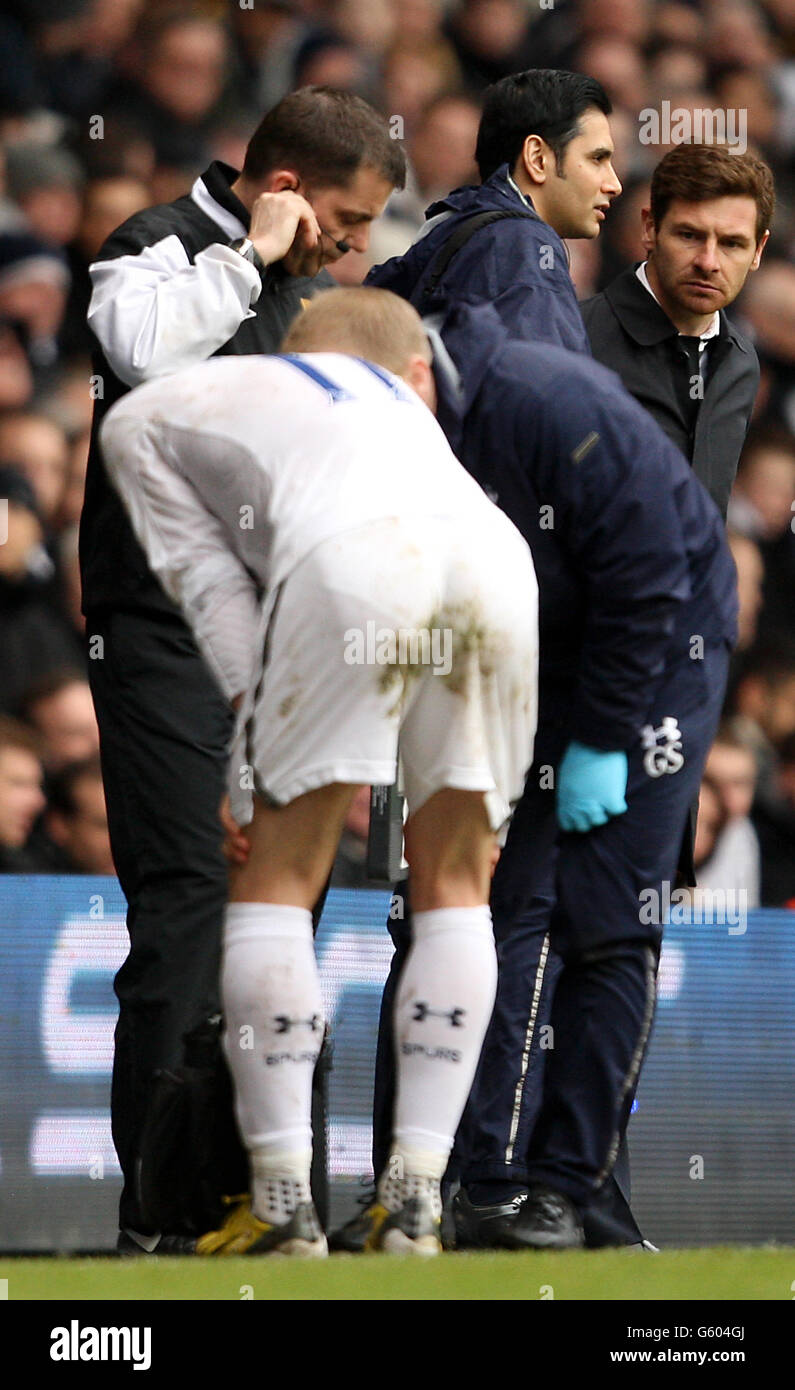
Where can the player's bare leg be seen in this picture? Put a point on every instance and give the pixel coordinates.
(442, 1010)
(270, 990)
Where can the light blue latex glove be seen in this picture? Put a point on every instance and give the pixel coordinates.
(591, 787)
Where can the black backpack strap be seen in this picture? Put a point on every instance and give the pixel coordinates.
(465, 229)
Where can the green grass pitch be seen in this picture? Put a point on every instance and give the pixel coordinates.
(723, 1273)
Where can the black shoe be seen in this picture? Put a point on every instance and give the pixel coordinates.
(351, 1237)
(547, 1221)
(127, 1244)
(484, 1227)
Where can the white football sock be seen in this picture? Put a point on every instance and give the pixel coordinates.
(442, 1010)
(270, 989)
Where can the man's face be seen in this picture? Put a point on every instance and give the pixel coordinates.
(68, 725)
(780, 714)
(576, 200)
(346, 213)
(703, 252)
(37, 448)
(733, 773)
(21, 796)
(768, 481)
(84, 834)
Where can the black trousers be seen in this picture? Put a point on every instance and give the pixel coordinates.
(164, 733)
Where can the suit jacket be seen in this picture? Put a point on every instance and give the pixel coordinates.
(632, 334)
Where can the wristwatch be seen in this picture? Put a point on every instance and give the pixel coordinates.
(248, 251)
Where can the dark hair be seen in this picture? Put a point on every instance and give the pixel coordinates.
(48, 685)
(776, 438)
(61, 786)
(541, 101)
(786, 750)
(771, 660)
(697, 173)
(15, 734)
(325, 136)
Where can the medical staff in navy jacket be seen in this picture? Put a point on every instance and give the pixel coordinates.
(637, 618)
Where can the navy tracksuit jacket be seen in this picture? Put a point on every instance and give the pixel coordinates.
(518, 265)
(637, 615)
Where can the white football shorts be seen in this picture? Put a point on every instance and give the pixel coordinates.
(416, 635)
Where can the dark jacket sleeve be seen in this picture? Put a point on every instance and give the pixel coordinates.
(517, 265)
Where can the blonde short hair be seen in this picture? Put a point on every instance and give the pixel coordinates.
(369, 323)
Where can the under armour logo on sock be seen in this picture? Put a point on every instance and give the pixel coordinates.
(284, 1024)
(423, 1011)
(666, 757)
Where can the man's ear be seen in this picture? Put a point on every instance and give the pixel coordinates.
(419, 376)
(282, 181)
(758, 253)
(534, 159)
(56, 828)
(649, 232)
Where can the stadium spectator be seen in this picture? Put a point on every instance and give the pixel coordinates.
(413, 76)
(61, 711)
(763, 497)
(733, 861)
(764, 698)
(709, 826)
(34, 283)
(491, 38)
(350, 863)
(768, 307)
(326, 60)
(46, 183)
(441, 156)
(762, 506)
(174, 95)
(21, 795)
(750, 574)
(34, 446)
(619, 66)
(107, 202)
(74, 487)
(34, 639)
(76, 819)
(774, 822)
(16, 377)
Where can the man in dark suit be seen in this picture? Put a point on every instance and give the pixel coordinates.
(662, 325)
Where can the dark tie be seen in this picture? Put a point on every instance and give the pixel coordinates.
(689, 386)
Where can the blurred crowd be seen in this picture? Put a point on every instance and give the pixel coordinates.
(108, 106)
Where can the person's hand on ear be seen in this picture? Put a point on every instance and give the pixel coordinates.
(284, 228)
